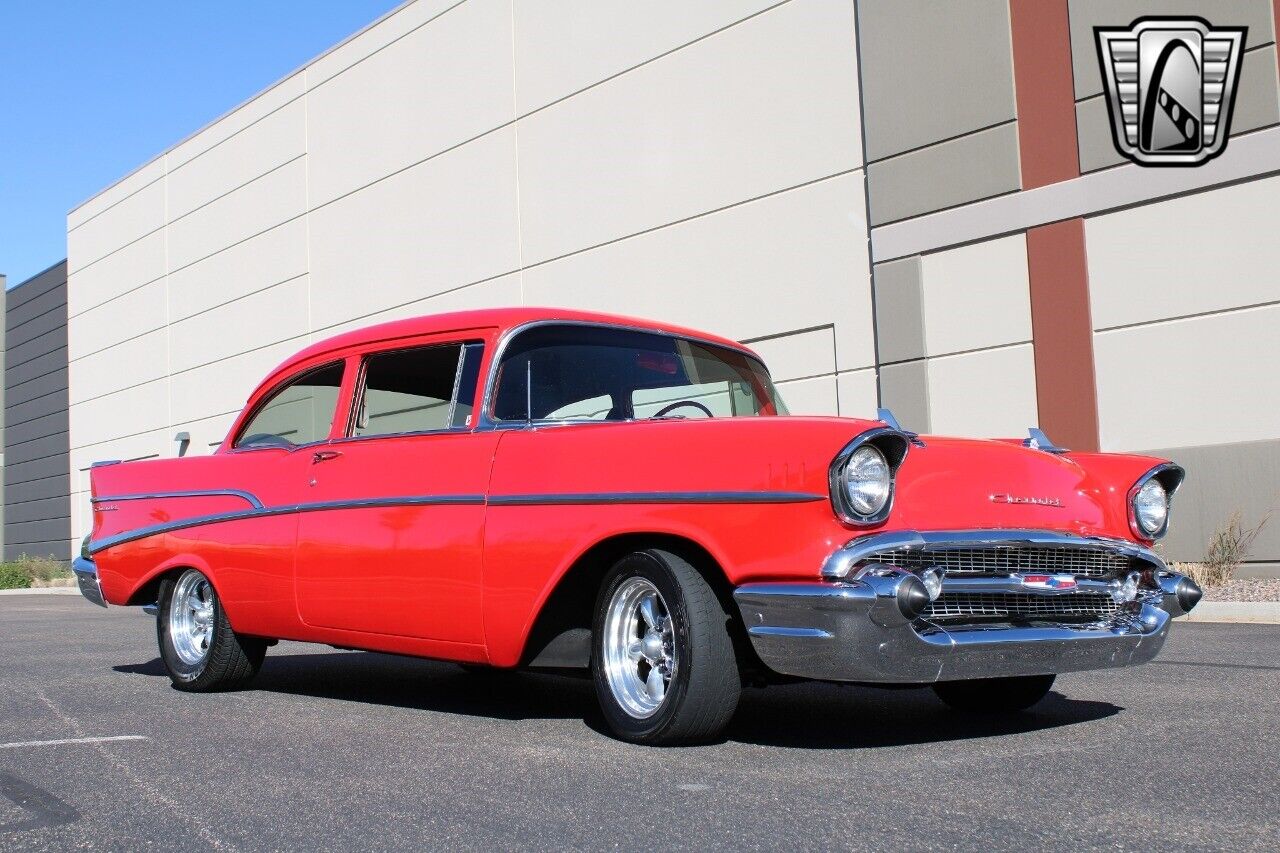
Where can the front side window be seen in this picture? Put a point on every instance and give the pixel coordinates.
(299, 413)
(417, 390)
(598, 373)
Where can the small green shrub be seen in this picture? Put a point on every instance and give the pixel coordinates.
(12, 576)
(31, 571)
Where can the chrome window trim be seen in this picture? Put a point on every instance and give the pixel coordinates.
(247, 419)
(358, 394)
(487, 421)
(839, 501)
(1163, 467)
(842, 562)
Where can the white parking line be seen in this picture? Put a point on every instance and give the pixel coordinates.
(20, 743)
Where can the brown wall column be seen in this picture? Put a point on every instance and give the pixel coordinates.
(1062, 332)
(1045, 91)
(1061, 326)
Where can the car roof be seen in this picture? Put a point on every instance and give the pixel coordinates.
(485, 318)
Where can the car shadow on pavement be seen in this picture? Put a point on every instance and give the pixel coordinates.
(834, 715)
(847, 716)
(406, 682)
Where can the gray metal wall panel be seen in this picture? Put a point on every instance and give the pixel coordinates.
(18, 431)
(50, 300)
(50, 487)
(932, 71)
(56, 548)
(37, 478)
(39, 448)
(1223, 479)
(22, 353)
(38, 388)
(973, 167)
(40, 365)
(38, 510)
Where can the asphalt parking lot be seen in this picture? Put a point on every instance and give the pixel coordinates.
(347, 750)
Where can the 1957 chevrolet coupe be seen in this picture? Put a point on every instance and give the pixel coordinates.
(554, 489)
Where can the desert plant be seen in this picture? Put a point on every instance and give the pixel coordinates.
(31, 571)
(12, 576)
(1229, 546)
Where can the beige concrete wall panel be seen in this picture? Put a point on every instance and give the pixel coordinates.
(989, 394)
(1205, 252)
(250, 210)
(977, 296)
(700, 129)
(561, 48)
(803, 250)
(446, 223)
(436, 87)
(1199, 381)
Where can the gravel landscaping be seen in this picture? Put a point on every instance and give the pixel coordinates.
(1245, 589)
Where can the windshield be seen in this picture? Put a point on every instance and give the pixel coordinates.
(599, 373)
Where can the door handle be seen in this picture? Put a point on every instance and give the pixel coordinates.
(324, 456)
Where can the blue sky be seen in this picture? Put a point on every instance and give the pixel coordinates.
(92, 89)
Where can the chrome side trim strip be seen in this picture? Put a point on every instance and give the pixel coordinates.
(248, 497)
(654, 498)
(843, 561)
(586, 498)
(265, 512)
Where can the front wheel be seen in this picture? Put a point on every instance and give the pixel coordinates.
(999, 695)
(199, 650)
(662, 658)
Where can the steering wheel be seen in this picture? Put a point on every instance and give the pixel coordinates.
(677, 404)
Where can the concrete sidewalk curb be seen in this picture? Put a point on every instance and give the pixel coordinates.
(1257, 612)
(45, 590)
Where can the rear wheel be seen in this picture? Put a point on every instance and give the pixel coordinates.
(999, 695)
(662, 658)
(199, 649)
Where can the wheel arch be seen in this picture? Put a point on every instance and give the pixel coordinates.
(148, 591)
(560, 635)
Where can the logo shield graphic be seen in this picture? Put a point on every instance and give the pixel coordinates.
(1170, 86)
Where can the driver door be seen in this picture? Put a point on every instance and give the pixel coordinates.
(389, 540)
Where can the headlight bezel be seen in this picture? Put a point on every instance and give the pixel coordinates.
(892, 446)
(1169, 476)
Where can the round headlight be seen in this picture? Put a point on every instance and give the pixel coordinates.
(1151, 507)
(867, 481)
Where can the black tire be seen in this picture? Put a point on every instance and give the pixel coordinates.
(231, 660)
(705, 686)
(995, 695)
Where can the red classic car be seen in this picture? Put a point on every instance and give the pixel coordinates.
(555, 489)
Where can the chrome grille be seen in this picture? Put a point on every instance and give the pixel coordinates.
(1025, 605)
(1004, 560)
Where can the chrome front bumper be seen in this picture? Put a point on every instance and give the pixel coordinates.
(855, 627)
(87, 577)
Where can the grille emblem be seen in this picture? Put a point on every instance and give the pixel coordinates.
(1170, 85)
(1002, 498)
(1049, 581)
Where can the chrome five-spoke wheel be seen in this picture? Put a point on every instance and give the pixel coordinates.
(662, 659)
(640, 657)
(191, 618)
(199, 649)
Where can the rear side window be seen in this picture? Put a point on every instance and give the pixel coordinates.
(299, 413)
(417, 390)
